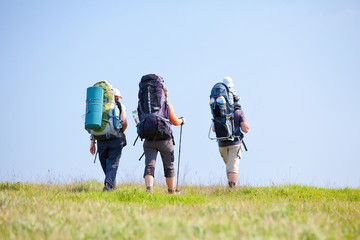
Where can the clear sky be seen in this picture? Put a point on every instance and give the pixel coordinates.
(296, 65)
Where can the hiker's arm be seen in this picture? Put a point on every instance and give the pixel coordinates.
(176, 121)
(92, 147)
(243, 124)
(244, 127)
(124, 121)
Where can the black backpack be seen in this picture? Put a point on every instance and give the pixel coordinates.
(222, 112)
(153, 110)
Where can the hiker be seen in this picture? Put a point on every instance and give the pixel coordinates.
(230, 150)
(228, 122)
(155, 115)
(110, 149)
(234, 96)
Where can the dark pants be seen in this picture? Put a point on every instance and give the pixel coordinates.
(166, 149)
(109, 155)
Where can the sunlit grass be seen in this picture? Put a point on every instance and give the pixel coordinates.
(80, 210)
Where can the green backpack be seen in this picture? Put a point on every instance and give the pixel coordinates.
(110, 121)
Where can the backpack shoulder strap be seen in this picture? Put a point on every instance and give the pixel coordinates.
(118, 104)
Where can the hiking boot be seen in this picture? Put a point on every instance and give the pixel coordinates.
(107, 187)
(149, 189)
(231, 184)
(171, 191)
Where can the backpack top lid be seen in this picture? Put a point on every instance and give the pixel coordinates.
(153, 81)
(220, 89)
(108, 94)
(104, 84)
(152, 77)
(151, 95)
(219, 93)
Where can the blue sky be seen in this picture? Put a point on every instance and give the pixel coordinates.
(295, 65)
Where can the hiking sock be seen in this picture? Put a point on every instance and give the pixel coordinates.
(149, 189)
(171, 191)
(231, 184)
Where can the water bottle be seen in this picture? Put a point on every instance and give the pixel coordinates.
(116, 119)
(136, 116)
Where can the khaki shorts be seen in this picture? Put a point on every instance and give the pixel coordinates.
(231, 156)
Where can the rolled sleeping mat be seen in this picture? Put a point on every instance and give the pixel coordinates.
(94, 107)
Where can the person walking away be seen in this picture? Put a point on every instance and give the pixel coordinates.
(230, 150)
(110, 149)
(158, 141)
(234, 97)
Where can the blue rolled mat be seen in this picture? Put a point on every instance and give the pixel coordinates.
(94, 106)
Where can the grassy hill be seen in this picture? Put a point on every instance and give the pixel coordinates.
(82, 211)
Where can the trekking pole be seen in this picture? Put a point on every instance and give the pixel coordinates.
(95, 156)
(244, 145)
(141, 156)
(177, 181)
(136, 140)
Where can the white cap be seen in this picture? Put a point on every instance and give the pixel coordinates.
(116, 92)
(228, 81)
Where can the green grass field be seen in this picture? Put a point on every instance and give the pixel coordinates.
(82, 211)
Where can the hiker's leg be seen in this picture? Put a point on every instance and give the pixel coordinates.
(232, 167)
(232, 177)
(166, 149)
(170, 182)
(225, 155)
(103, 155)
(112, 162)
(150, 160)
(149, 181)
